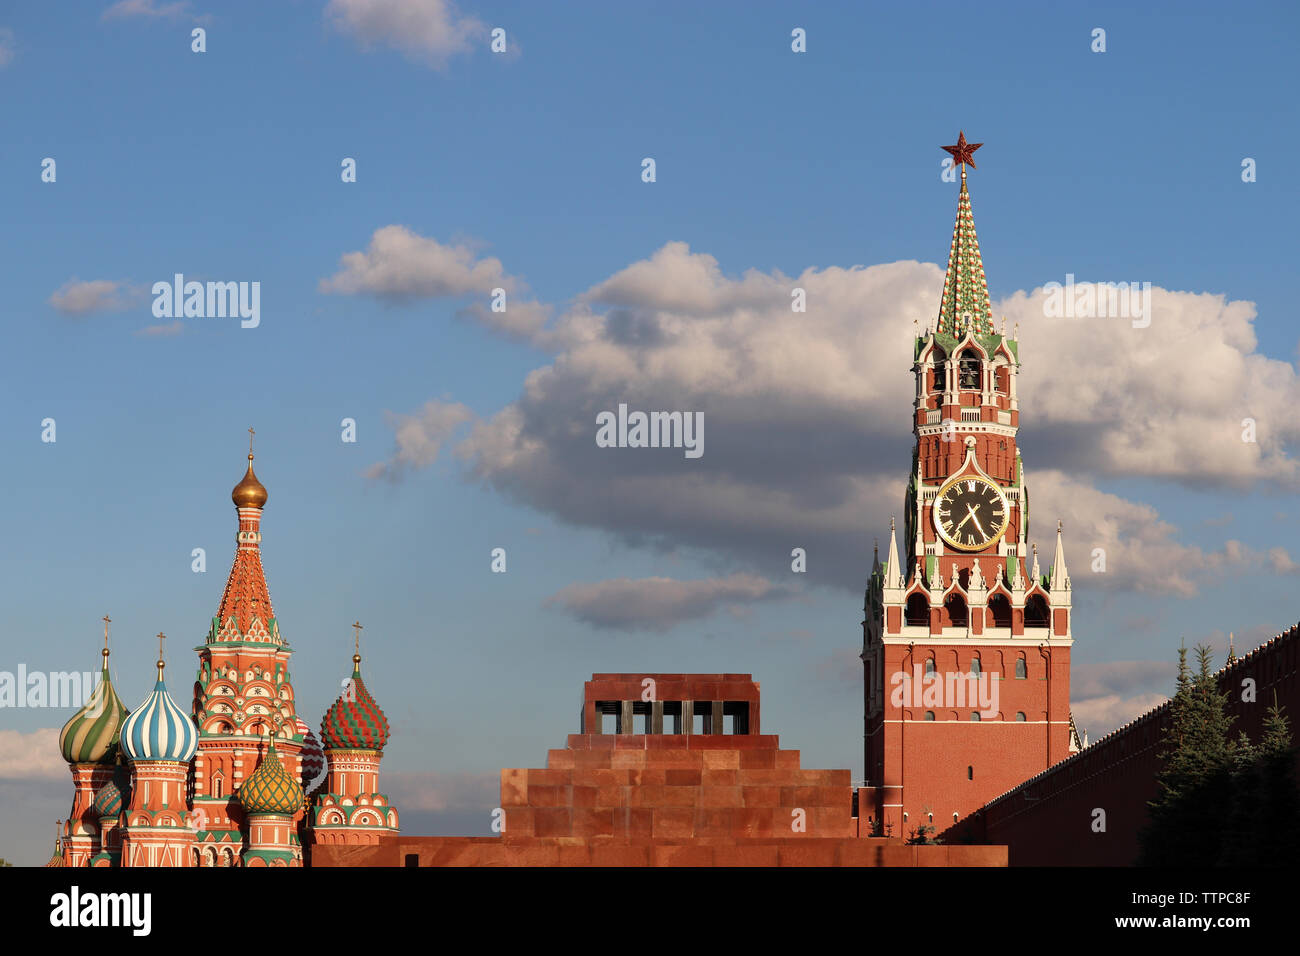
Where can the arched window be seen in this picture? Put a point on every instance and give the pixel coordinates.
(1022, 671)
(1036, 613)
(929, 665)
(956, 610)
(1020, 716)
(975, 716)
(1000, 608)
(975, 666)
(918, 610)
(969, 377)
(940, 365)
(929, 715)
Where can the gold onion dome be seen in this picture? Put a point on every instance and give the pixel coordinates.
(249, 493)
(271, 789)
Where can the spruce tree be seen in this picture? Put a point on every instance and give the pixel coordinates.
(1194, 782)
(1278, 831)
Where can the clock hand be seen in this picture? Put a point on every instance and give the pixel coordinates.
(963, 521)
(978, 526)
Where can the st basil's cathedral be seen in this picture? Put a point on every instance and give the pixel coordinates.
(228, 781)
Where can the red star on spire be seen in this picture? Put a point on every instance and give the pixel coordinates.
(962, 151)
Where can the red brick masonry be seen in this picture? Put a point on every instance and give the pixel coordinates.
(669, 799)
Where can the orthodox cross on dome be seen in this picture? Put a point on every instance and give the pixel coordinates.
(161, 637)
(356, 639)
(107, 621)
(251, 433)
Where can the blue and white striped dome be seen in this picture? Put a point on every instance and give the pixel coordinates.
(158, 729)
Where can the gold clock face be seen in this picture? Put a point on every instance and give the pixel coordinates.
(970, 513)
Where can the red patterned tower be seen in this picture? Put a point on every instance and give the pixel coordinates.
(271, 798)
(966, 644)
(89, 743)
(348, 809)
(159, 739)
(243, 691)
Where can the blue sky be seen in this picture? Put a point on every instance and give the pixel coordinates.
(225, 165)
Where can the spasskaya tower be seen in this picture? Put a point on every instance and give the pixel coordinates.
(966, 641)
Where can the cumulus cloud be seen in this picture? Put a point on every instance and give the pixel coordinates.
(1098, 716)
(1106, 696)
(76, 297)
(809, 417)
(1117, 544)
(31, 756)
(1168, 401)
(659, 604)
(401, 266)
(419, 437)
(428, 31)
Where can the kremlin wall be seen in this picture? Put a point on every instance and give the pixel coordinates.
(1049, 819)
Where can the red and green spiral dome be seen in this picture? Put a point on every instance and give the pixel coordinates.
(354, 721)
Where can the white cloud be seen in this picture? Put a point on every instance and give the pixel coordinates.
(809, 417)
(402, 266)
(1098, 716)
(76, 297)
(167, 330)
(430, 31)
(31, 756)
(659, 604)
(420, 437)
(124, 9)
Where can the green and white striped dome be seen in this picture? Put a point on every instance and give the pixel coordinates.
(91, 735)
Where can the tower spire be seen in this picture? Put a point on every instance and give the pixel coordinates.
(1060, 577)
(893, 570)
(965, 300)
(245, 612)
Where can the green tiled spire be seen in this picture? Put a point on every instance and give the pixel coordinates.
(965, 290)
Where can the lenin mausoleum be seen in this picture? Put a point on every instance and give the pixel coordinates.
(967, 732)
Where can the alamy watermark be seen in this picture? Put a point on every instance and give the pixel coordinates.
(46, 689)
(954, 689)
(1099, 300)
(208, 300)
(651, 430)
